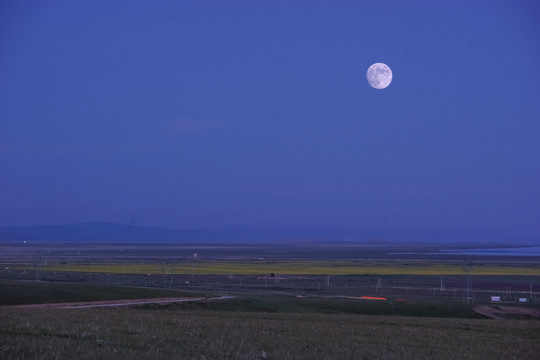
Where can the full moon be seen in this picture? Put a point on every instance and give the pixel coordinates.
(379, 75)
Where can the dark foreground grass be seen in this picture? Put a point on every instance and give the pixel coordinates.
(171, 333)
(287, 304)
(32, 292)
(13, 292)
(249, 327)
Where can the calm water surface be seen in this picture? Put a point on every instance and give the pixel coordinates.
(519, 251)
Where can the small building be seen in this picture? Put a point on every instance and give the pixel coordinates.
(495, 299)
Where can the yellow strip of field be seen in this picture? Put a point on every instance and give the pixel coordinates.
(288, 267)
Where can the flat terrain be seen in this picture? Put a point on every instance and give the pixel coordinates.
(171, 333)
(252, 326)
(412, 272)
(508, 312)
(290, 302)
(299, 267)
(42, 292)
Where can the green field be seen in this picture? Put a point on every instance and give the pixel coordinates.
(193, 334)
(32, 292)
(36, 292)
(305, 267)
(316, 313)
(250, 327)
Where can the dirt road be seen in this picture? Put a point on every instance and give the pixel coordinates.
(507, 312)
(119, 303)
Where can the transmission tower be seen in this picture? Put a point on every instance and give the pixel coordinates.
(468, 267)
(37, 266)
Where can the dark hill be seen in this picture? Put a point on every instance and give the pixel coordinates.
(111, 232)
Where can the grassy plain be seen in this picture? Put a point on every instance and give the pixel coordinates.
(32, 292)
(309, 315)
(301, 267)
(251, 326)
(175, 333)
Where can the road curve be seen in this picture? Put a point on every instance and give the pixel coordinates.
(120, 303)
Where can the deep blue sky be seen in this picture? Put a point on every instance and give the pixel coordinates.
(191, 114)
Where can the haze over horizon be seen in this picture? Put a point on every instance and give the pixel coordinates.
(209, 114)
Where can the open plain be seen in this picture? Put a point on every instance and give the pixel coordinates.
(273, 301)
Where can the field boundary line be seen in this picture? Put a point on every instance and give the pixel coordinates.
(119, 303)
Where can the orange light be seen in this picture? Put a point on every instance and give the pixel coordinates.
(372, 298)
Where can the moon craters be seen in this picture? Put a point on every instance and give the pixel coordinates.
(379, 75)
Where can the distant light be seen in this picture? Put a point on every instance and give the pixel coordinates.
(372, 298)
(24, 241)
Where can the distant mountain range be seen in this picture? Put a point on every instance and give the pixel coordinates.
(111, 232)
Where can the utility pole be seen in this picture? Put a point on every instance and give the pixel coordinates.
(467, 267)
(37, 265)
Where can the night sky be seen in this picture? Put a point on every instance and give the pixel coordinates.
(204, 114)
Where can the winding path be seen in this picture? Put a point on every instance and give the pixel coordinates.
(120, 303)
(505, 312)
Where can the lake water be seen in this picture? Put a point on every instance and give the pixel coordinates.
(518, 251)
